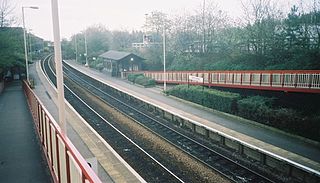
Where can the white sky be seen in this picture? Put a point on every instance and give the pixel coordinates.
(76, 15)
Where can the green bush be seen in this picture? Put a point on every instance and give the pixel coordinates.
(141, 80)
(96, 64)
(144, 81)
(260, 109)
(132, 77)
(256, 108)
(222, 101)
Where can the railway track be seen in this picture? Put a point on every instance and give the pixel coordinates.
(125, 146)
(216, 161)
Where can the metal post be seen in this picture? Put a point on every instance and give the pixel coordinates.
(86, 47)
(164, 59)
(25, 39)
(76, 47)
(30, 45)
(131, 61)
(58, 60)
(203, 24)
(25, 44)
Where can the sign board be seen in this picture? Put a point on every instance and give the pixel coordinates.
(196, 79)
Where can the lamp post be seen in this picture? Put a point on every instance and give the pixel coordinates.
(76, 47)
(164, 59)
(203, 23)
(58, 60)
(86, 47)
(30, 44)
(131, 61)
(25, 39)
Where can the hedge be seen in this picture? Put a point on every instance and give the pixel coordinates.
(141, 80)
(256, 108)
(222, 101)
(132, 77)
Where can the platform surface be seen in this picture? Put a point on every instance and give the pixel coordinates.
(21, 158)
(269, 139)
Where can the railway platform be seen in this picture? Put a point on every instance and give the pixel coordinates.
(294, 148)
(21, 158)
(104, 161)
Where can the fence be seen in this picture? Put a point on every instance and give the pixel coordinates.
(65, 162)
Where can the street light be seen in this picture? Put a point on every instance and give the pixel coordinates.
(203, 23)
(76, 47)
(164, 58)
(24, 38)
(30, 44)
(86, 47)
(131, 61)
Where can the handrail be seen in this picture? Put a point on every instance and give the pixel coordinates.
(65, 162)
(305, 81)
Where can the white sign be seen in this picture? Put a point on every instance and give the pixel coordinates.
(196, 79)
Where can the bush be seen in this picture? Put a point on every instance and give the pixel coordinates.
(260, 109)
(255, 108)
(97, 64)
(132, 77)
(141, 80)
(222, 101)
(144, 81)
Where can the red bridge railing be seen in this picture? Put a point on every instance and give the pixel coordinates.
(307, 81)
(65, 162)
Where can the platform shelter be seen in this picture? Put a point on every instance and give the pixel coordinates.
(116, 62)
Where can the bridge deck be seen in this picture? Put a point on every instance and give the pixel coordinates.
(21, 158)
(274, 141)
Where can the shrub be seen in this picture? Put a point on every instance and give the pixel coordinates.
(256, 108)
(141, 80)
(132, 77)
(219, 100)
(144, 81)
(260, 109)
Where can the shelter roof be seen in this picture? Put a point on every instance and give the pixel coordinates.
(115, 55)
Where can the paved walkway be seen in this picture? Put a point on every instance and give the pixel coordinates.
(21, 158)
(269, 139)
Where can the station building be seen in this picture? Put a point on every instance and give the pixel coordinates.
(116, 62)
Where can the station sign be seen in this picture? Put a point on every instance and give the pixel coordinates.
(196, 79)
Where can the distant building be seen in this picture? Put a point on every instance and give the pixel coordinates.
(146, 43)
(116, 62)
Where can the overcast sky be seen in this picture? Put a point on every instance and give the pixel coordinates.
(76, 15)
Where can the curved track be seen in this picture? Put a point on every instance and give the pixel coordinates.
(225, 166)
(220, 163)
(125, 146)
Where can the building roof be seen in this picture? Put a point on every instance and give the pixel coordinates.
(115, 55)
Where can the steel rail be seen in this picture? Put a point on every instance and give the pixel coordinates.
(186, 148)
(107, 122)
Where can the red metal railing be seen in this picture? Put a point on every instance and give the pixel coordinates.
(307, 81)
(65, 162)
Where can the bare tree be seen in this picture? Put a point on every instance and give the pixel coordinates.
(215, 20)
(6, 11)
(197, 32)
(315, 21)
(261, 18)
(155, 22)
